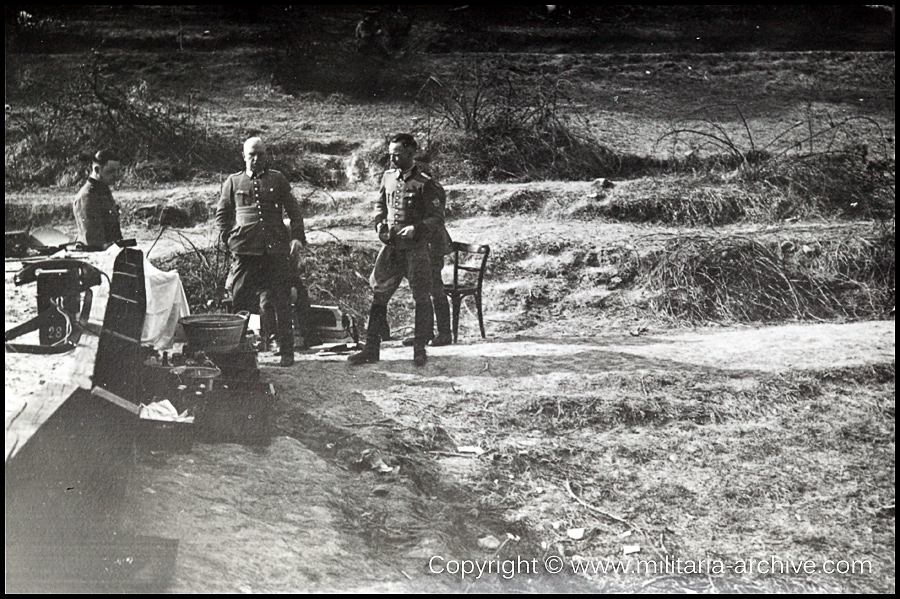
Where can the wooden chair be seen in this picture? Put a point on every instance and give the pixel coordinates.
(472, 261)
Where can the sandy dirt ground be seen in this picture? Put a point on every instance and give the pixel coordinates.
(368, 478)
(279, 518)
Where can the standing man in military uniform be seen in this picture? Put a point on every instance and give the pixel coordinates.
(408, 213)
(439, 246)
(96, 213)
(250, 221)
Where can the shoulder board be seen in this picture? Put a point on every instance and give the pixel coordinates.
(426, 175)
(237, 174)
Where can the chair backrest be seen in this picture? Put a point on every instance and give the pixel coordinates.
(469, 258)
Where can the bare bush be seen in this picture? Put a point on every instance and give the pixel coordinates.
(818, 165)
(158, 139)
(493, 125)
(203, 269)
(337, 274)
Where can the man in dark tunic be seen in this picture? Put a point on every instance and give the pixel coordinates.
(408, 213)
(441, 244)
(96, 213)
(250, 221)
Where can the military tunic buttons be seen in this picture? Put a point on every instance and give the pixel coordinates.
(250, 214)
(410, 200)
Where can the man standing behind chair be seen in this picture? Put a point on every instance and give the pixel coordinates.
(439, 246)
(96, 213)
(408, 213)
(250, 221)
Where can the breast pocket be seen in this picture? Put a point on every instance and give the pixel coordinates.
(243, 198)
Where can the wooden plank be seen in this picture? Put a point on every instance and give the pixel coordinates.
(118, 363)
(113, 398)
(37, 385)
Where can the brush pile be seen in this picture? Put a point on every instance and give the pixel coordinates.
(738, 279)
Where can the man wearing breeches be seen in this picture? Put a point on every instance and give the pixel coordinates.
(439, 246)
(408, 213)
(249, 218)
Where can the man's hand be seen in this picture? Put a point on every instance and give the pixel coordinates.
(296, 246)
(407, 232)
(384, 233)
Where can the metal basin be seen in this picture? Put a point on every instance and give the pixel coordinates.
(219, 332)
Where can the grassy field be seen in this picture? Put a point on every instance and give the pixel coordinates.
(638, 172)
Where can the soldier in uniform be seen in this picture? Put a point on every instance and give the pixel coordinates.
(250, 221)
(408, 213)
(96, 213)
(439, 246)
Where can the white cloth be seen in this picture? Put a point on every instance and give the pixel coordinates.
(166, 301)
(163, 410)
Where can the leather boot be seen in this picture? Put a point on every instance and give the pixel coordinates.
(442, 316)
(424, 331)
(267, 330)
(385, 330)
(371, 351)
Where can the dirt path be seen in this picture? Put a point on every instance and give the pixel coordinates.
(309, 513)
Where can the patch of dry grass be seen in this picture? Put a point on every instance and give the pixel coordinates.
(778, 190)
(181, 208)
(702, 278)
(739, 279)
(797, 466)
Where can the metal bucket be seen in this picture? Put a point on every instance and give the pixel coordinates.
(219, 332)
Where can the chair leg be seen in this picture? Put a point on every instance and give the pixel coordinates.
(480, 315)
(456, 305)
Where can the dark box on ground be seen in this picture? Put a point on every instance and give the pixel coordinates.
(237, 411)
(237, 364)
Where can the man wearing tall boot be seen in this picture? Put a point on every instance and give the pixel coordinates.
(249, 217)
(408, 213)
(439, 246)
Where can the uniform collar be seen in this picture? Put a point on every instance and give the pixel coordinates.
(95, 181)
(256, 175)
(408, 174)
